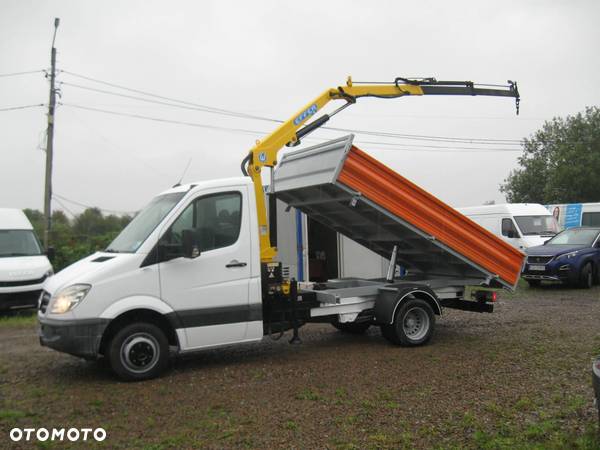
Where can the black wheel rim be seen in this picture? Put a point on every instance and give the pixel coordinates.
(140, 352)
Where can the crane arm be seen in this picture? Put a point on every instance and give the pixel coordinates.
(264, 153)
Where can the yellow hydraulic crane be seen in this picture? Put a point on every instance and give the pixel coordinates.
(264, 153)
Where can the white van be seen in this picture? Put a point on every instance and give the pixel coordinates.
(569, 215)
(522, 225)
(23, 265)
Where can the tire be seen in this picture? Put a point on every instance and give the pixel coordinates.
(586, 276)
(534, 283)
(413, 324)
(139, 351)
(351, 327)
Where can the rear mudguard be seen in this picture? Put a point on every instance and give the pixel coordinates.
(390, 299)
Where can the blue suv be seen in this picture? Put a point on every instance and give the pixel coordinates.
(571, 257)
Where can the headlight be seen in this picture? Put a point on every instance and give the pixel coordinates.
(568, 255)
(69, 298)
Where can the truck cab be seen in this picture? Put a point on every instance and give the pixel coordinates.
(212, 296)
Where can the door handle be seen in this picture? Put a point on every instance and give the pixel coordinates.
(235, 263)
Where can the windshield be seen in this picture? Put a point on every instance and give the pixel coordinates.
(138, 230)
(537, 225)
(19, 243)
(575, 236)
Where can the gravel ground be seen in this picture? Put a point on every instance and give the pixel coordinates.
(519, 377)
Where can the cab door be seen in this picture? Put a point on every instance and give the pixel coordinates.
(209, 291)
(511, 234)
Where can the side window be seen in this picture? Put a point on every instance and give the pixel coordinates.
(508, 229)
(214, 221)
(590, 219)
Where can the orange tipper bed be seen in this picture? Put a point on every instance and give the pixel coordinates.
(344, 188)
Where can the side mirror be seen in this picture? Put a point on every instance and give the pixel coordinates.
(189, 245)
(51, 253)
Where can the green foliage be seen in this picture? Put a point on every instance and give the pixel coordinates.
(74, 239)
(560, 162)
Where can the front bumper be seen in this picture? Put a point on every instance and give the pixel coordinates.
(17, 300)
(76, 337)
(553, 271)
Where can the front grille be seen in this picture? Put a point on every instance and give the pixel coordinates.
(22, 282)
(44, 301)
(27, 299)
(539, 259)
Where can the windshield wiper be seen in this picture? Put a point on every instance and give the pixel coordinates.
(548, 232)
(111, 250)
(17, 254)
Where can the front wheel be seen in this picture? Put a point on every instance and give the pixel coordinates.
(586, 277)
(139, 351)
(413, 324)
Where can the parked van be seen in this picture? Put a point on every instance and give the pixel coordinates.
(23, 265)
(569, 215)
(522, 225)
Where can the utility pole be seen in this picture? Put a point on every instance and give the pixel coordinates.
(50, 143)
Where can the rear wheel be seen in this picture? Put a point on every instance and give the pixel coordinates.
(413, 324)
(586, 276)
(139, 351)
(352, 327)
(533, 283)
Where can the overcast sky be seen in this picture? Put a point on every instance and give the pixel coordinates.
(270, 58)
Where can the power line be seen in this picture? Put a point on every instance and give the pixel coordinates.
(157, 119)
(63, 205)
(147, 100)
(14, 74)
(417, 137)
(261, 133)
(467, 149)
(115, 147)
(205, 108)
(213, 110)
(14, 108)
(83, 205)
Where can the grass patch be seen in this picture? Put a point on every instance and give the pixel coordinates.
(290, 425)
(18, 320)
(11, 415)
(309, 394)
(524, 404)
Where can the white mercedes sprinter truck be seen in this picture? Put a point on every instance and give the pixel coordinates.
(198, 266)
(186, 274)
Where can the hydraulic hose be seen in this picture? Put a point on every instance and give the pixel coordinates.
(245, 161)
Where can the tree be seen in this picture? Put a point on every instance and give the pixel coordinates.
(560, 162)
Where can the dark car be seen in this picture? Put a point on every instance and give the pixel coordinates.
(571, 257)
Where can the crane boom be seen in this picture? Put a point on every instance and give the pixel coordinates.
(264, 153)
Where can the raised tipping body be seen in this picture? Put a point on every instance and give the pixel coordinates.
(343, 188)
